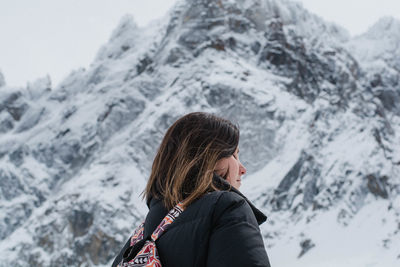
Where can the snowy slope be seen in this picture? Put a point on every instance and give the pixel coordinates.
(321, 145)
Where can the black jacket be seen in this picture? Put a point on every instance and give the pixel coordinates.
(219, 229)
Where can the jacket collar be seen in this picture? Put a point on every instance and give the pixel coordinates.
(223, 185)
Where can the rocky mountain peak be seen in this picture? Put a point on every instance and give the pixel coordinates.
(378, 51)
(258, 14)
(385, 27)
(379, 43)
(123, 38)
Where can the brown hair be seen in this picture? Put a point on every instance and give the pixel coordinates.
(184, 165)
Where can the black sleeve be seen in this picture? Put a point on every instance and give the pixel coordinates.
(235, 238)
(118, 259)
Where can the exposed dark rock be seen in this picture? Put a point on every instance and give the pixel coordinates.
(238, 24)
(175, 54)
(69, 111)
(45, 154)
(255, 47)
(294, 174)
(39, 197)
(14, 105)
(286, 54)
(10, 99)
(70, 152)
(145, 144)
(119, 113)
(276, 55)
(310, 191)
(17, 156)
(34, 259)
(231, 43)
(10, 185)
(218, 45)
(68, 259)
(305, 245)
(125, 48)
(30, 120)
(165, 121)
(377, 185)
(80, 222)
(304, 175)
(6, 125)
(149, 89)
(13, 217)
(390, 99)
(2, 80)
(376, 80)
(97, 248)
(101, 248)
(291, 60)
(143, 64)
(46, 241)
(63, 133)
(59, 95)
(191, 39)
(17, 111)
(219, 95)
(98, 75)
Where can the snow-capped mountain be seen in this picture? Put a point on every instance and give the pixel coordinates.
(378, 50)
(319, 138)
(380, 42)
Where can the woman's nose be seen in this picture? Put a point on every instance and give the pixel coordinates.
(242, 169)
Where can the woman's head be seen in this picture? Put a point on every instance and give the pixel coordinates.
(184, 165)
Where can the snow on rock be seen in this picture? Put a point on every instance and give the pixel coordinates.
(123, 38)
(39, 87)
(378, 50)
(2, 79)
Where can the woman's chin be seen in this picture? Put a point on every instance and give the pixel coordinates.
(237, 184)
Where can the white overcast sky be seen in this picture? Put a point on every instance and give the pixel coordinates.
(40, 37)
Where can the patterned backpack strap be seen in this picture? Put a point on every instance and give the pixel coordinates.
(166, 222)
(147, 256)
(138, 234)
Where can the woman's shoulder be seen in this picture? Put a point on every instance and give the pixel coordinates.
(214, 202)
(222, 198)
(233, 203)
(230, 201)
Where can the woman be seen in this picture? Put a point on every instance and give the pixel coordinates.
(198, 164)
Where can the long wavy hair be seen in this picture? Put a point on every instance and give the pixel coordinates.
(183, 167)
